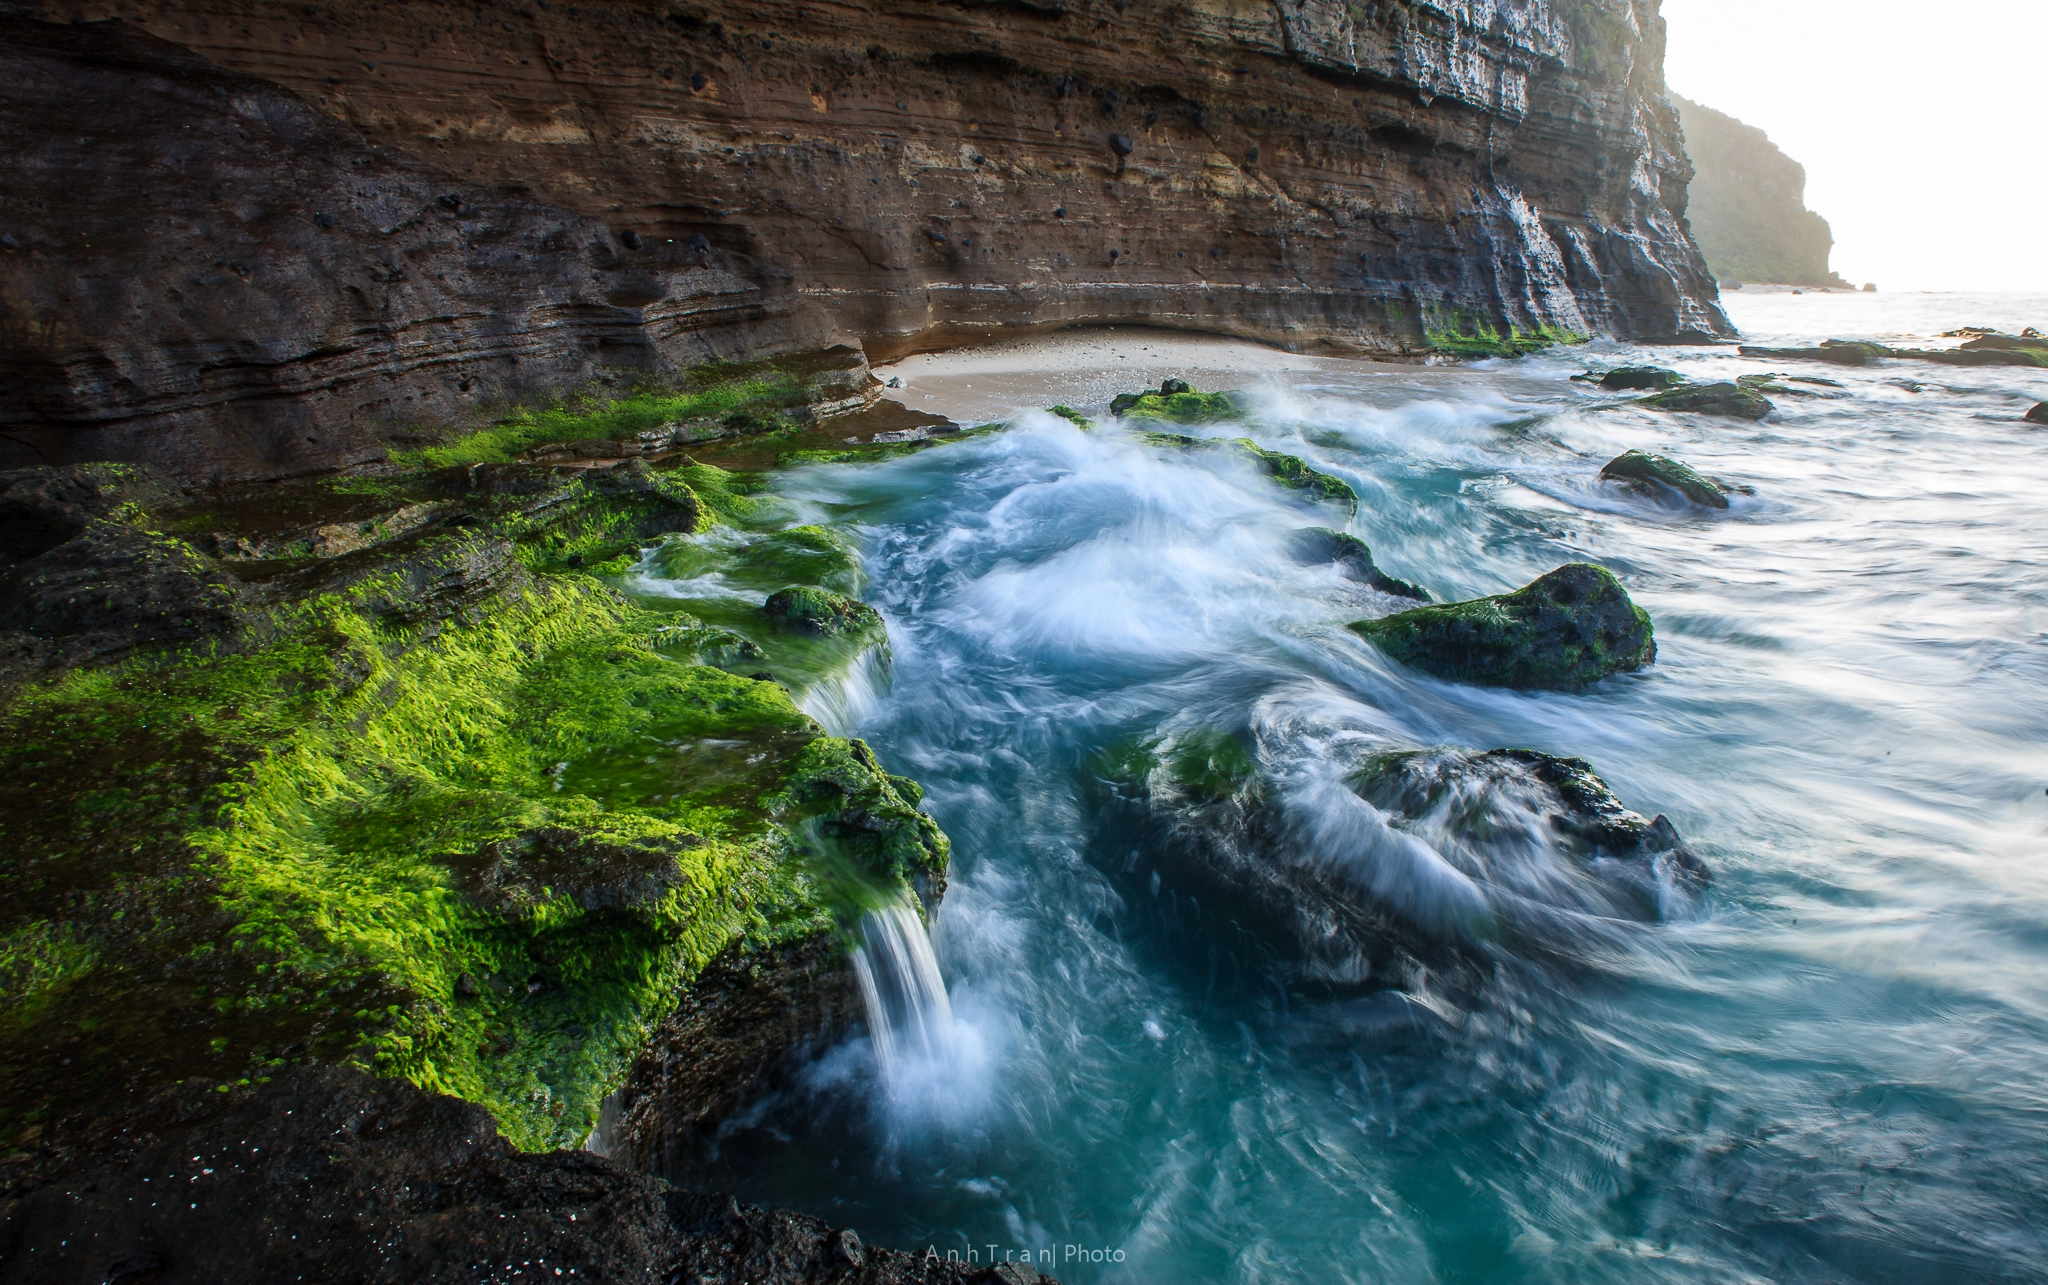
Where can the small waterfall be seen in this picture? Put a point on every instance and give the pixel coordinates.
(909, 1015)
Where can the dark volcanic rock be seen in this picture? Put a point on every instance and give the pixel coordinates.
(1732, 401)
(327, 1174)
(1319, 544)
(515, 876)
(82, 578)
(1565, 631)
(2039, 414)
(1641, 471)
(234, 232)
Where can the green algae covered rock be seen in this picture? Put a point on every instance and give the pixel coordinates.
(1733, 401)
(1563, 631)
(449, 808)
(811, 610)
(1643, 472)
(1319, 544)
(764, 561)
(1072, 416)
(1290, 471)
(1181, 407)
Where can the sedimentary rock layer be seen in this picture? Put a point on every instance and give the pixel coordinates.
(201, 270)
(211, 269)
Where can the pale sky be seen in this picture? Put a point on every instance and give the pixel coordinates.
(1923, 127)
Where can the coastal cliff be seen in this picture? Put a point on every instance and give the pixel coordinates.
(1748, 207)
(254, 240)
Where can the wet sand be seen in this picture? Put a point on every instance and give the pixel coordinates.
(1084, 369)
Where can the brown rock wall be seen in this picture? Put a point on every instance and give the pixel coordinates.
(912, 174)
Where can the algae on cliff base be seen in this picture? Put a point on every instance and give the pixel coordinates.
(459, 812)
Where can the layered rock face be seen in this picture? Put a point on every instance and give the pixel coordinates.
(254, 239)
(1748, 205)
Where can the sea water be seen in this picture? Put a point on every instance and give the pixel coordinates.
(1831, 1065)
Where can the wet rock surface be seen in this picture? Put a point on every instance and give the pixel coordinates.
(1730, 401)
(1984, 348)
(1643, 472)
(1631, 378)
(1563, 631)
(2039, 414)
(84, 579)
(329, 1174)
(1316, 545)
(1320, 876)
(822, 612)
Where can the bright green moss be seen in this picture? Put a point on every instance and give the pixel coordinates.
(767, 561)
(1181, 408)
(751, 402)
(1459, 333)
(353, 841)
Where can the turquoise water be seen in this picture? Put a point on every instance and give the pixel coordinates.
(1830, 1066)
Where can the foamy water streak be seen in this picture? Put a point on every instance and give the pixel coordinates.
(910, 1018)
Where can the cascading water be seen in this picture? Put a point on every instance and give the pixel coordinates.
(1829, 1065)
(910, 1018)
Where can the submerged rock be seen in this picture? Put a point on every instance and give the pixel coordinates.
(1319, 544)
(1409, 865)
(1569, 795)
(1563, 631)
(1643, 472)
(1731, 400)
(820, 611)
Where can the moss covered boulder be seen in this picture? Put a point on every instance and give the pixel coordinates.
(812, 610)
(1563, 631)
(1645, 473)
(1265, 851)
(1317, 545)
(1181, 405)
(1731, 401)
